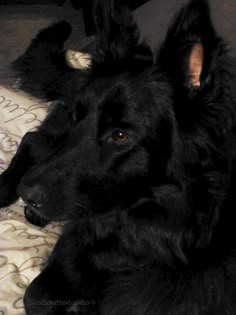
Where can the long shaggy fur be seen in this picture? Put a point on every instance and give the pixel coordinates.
(137, 157)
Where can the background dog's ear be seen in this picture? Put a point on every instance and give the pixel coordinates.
(192, 50)
(116, 32)
(43, 68)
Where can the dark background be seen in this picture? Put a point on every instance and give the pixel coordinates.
(20, 22)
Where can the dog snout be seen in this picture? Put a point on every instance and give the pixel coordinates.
(33, 196)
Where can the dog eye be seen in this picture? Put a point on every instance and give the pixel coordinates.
(120, 136)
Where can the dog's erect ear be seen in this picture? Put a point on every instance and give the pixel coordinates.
(192, 48)
(43, 69)
(116, 32)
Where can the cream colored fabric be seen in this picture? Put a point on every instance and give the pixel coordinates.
(78, 60)
(19, 113)
(23, 247)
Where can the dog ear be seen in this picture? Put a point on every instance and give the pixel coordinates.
(116, 32)
(192, 49)
(43, 68)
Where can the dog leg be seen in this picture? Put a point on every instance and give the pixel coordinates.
(70, 283)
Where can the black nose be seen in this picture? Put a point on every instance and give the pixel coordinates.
(33, 196)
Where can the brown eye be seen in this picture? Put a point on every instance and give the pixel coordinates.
(120, 136)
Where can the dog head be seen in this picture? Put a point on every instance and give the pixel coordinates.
(149, 133)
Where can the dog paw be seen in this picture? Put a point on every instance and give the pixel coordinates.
(8, 193)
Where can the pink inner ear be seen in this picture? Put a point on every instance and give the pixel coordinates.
(196, 65)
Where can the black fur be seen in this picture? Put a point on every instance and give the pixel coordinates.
(138, 160)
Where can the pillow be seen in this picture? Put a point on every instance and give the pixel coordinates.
(24, 248)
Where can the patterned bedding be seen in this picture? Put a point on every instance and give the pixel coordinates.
(23, 247)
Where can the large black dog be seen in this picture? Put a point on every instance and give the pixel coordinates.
(136, 156)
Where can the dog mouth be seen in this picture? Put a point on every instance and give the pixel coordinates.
(33, 216)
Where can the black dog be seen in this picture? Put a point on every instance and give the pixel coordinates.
(137, 156)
